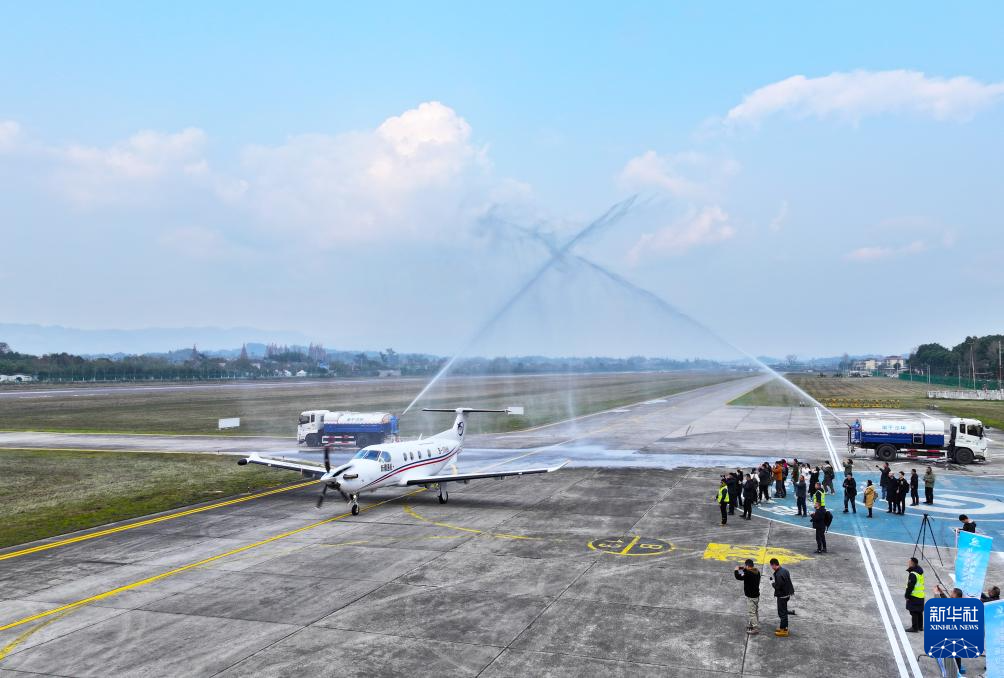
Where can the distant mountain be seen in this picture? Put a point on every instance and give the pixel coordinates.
(42, 339)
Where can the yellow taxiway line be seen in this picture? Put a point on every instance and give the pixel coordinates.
(184, 568)
(149, 521)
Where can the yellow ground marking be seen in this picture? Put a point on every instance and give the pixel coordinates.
(759, 554)
(190, 566)
(11, 646)
(411, 512)
(150, 521)
(636, 546)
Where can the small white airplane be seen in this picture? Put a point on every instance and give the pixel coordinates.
(417, 462)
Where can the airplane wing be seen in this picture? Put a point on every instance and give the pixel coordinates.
(307, 470)
(463, 477)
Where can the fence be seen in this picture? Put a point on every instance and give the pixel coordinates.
(861, 403)
(967, 395)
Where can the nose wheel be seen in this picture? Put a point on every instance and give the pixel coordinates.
(355, 505)
(444, 496)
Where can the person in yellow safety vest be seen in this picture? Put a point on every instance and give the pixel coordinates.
(723, 500)
(915, 595)
(819, 495)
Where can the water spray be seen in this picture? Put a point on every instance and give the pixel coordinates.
(611, 216)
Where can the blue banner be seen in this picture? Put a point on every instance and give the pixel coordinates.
(993, 624)
(971, 562)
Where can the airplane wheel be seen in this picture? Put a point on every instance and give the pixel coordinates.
(355, 509)
(444, 497)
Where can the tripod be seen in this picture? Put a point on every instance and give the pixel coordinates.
(921, 541)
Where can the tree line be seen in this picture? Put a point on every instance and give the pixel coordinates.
(975, 360)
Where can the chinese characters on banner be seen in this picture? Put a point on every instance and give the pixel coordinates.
(971, 562)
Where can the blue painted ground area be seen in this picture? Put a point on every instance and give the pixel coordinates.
(982, 499)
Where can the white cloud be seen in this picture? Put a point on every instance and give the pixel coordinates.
(778, 221)
(858, 94)
(705, 227)
(688, 174)
(865, 254)
(9, 133)
(417, 173)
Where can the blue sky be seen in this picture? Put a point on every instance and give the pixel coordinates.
(328, 169)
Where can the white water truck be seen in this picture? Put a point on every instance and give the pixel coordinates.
(325, 427)
(920, 439)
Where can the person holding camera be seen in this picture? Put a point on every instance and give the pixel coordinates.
(750, 577)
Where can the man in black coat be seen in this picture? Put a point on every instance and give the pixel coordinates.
(884, 479)
(733, 485)
(818, 519)
(749, 496)
(850, 493)
(750, 577)
(764, 476)
(783, 590)
(914, 487)
(800, 493)
(902, 489)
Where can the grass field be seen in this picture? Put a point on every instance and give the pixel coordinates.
(51, 492)
(906, 395)
(272, 409)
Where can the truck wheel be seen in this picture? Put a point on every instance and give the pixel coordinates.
(312, 440)
(886, 452)
(964, 455)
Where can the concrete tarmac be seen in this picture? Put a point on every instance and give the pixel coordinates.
(614, 569)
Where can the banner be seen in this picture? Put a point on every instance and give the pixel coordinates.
(971, 562)
(953, 628)
(993, 624)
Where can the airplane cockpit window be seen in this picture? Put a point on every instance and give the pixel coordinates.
(384, 457)
(373, 455)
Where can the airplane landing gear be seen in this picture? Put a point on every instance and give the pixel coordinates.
(444, 496)
(355, 505)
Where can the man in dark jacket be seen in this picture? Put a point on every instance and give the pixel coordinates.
(764, 475)
(733, 485)
(818, 519)
(813, 479)
(750, 577)
(884, 480)
(739, 486)
(914, 487)
(902, 489)
(850, 493)
(915, 595)
(783, 590)
(828, 478)
(749, 496)
(800, 494)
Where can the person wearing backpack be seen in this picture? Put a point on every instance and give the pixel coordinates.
(850, 493)
(818, 519)
(783, 591)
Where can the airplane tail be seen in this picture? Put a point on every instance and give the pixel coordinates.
(459, 428)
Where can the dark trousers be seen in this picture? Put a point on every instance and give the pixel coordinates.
(732, 504)
(779, 488)
(901, 505)
(869, 511)
(917, 620)
(929, 495)
(739, 499)
(850, 498)
(724, 506)
(764, 493)
(821, 538)
(915, 496)
(800, 504)
(885, 490)
(748, 508)
(782, 611)
(891, 502)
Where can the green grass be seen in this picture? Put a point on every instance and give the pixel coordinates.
(273, 411)
(910, 396)
(50, 492)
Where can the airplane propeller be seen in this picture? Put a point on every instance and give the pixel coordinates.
(328, 478)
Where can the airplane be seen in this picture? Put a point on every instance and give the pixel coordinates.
(416, 462)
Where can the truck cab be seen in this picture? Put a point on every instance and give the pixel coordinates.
(966, 439)
(309, 426)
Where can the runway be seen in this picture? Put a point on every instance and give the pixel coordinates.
(619, 568)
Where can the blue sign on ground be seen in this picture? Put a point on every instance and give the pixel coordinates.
(953, 627)
(982, 499)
